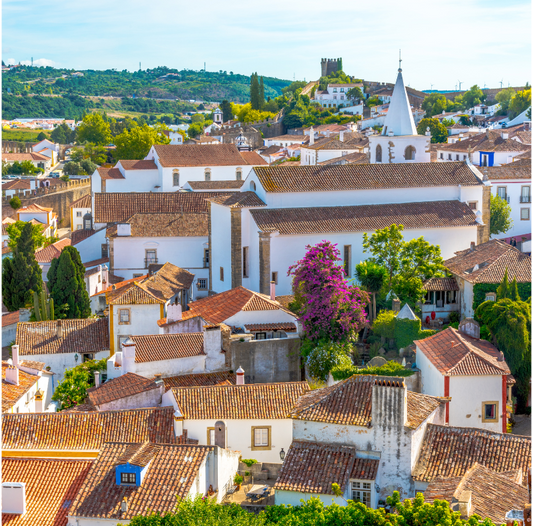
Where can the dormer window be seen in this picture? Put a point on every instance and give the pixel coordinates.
(127, 478)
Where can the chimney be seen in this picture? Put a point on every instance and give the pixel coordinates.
(505, 135)
(470, 327)
(273, 290)
(59, 329)
(173, 313)
(39, 401)
(341, 136)
(15, 355)
(240, 376)
(311, 136)
(12, 375)
(396, 304)
(212, 345)
(428, 132)
(389, 402)
(97, 378)
(465, 504)
(14, 497)
(472, 245)
(124, 229)
(128, 354)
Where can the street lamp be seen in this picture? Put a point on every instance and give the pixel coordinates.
(282, 454)
(76, 357)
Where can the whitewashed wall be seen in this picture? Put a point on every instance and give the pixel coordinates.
(431, 379)
(514, 189)
(90, 249)
(77, 221)
(221, 247)
(143, 320)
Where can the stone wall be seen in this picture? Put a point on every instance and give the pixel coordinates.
(265, 361)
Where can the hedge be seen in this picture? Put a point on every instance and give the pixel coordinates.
(481, 289)
(389, 369)
(403, 331)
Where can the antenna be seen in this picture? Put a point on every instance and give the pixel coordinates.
(400, 61)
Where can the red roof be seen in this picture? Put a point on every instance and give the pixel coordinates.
(46, 254)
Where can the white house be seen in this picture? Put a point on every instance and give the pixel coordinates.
(213, 186)
(63, 344)
(169, 354)
(80, 213)
(42, 215)
(48, 149)
(38, 160)
(329, 148)
(379, 422)
(96, 279)
(253, 418)
(457, 364)
(284, 140)
(257, 234)
(512, 182)
(10, 187)
(335, 95)
(399, 141)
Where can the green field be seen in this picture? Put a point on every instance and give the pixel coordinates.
(23, 135)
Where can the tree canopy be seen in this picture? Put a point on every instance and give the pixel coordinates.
(94, 129)
(14, 231)
(439, 133)
(520, 102)
(504, 97)
(136, 143)
(500, 215)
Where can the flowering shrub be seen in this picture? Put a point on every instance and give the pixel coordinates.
(329, 307)
(327, 355)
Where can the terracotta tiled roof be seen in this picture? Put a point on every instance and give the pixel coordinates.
(357, 142)
(166, 225)
(159, 347)
(489, 141)
(215, 185)
(238, 200)
(46, 254)
(253, 159)
(454, 353)
(128, 384)
(365, 469)
(219, 307)
(451, 451)
(283, 326)
(51, 486)
(32, 156)
(77, 236)
(197, 380)
(436, 214)
(96, 262)
(312, 467)
(109, 173)
(53, 431)
(271, 150)
(259, 401)
(132, 294)
(351, 158)
(138, 165)
(89, 335)
(121, 284)
(11, 393)
(350, 403)
(168, 281)
(198, 155)
(493, 494)
(516, 170)
(492, 259)
(10, 318)
(170, 475)
(82, 202)
(118, 207)
(33, 208)
(285, 300)
(37, 366)
(441, 284)
(16, 184)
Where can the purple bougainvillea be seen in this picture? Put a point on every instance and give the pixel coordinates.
(329, 307)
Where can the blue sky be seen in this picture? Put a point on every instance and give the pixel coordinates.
(473, 41)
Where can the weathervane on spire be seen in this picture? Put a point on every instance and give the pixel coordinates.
(400, 68)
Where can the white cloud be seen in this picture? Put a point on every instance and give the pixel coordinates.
(39, 62)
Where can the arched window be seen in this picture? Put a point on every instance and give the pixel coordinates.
(490, 296)
(378, 153)
(208, 174)
(410, 153)
(252, 186)
(87, 221)
(175, 178)
(238, 174)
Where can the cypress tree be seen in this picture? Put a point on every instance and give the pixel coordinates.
(21, 274)
(513, 291)
(254, 92)
(503, 290)
(261, 94)
(227, 114)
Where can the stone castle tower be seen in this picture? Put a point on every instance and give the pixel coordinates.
(329, 65)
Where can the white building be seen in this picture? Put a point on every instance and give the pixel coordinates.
(257, 234)
(399, 141)
(38, 160)
(335, 95)
(253, 418)
(284, 140)
(49, 149)
(39, 214)
(80, 213)
(457, 364)
(332, 147)
(10, 187)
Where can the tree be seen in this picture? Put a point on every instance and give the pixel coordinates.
(254, 92)
(504, 97)
(355, 93)
(509, 323)
(95, 153)
(408, 263)
(329, 307)
(71, 168)
(435, 104)
(261, 94)
(198, 117)
(66, 282)
(62, 134)
(72, 391)
(372, 277)
(520, 102)
(227, 114)
(327, 355)
(27, 168)
(21, 274)
(195, 129)
(14, 231)
(41, 136)
(136, 143)
(438, 131)
(15, 203)
(94, 129)
(473, 97)
(500, 215)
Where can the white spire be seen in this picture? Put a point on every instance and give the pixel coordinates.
(399, 118)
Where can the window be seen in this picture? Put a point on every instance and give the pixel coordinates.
(361, 492)
(524, 214)
(99, 278)
(490, 296)
(260, 335)
(334, 90)
(347, 259)
(378, 153)
(127, 478)
(221, 273)
(121, 340)
(449, 157)
(489, 412)
(473, 205)
(202, 283)
(457, 157)
(410, 153)
(335, 97)
(484, 160)
(502, 192)
(79, 227)
(274, 277)
(252, 186)
(525, 194)
(441, 156)
(238, 174)
(78, 214)
(464, 157)
(210, 436)
(451, 296)
(261, 438)
(150, 257)
(105, 251)
(208, 174)
(176, 178)
(124, 316)
(206, 258)
(137, 275)
(87, 357)
(245, 262)
(342, 90)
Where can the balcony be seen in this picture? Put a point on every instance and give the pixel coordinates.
(525, 199)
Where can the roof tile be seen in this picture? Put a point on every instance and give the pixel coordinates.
(128, 384)
(159, 347)
(11, 393)
(202, 379)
